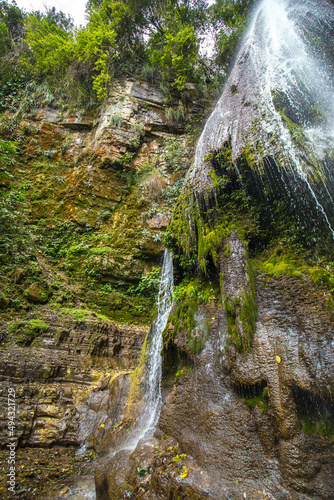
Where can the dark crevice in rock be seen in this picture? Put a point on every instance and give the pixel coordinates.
(315, 413)
(251, 390)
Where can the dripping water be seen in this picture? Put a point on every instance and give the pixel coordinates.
(151, 401)
(282, 104)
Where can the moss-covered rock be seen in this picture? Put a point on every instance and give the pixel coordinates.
(37, 295)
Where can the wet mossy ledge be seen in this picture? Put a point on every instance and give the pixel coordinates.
(83, 209)
(271, 211)
(190, 315)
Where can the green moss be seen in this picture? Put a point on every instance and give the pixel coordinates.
(261, 401)
(254, 154)
(227, 251)
(209, 157)
(210, 241)
(24, 332)
(323, 427)
(223, 157)
(242, 309)
(96, 251)
(306, 154)
(180, 231)
(77, 314)
(180, 373)
(190, 295)
(283, 262)
(281, 268)
(321, 276)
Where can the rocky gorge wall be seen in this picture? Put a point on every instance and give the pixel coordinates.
(233, 425)
(84, 209)
(247, 360)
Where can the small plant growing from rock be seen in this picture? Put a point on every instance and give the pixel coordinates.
(117, 121)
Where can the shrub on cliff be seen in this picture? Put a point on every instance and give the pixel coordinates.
(120, 37)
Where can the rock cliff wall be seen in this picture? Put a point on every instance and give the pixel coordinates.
(85, 206)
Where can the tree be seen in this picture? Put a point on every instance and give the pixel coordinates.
(96, 42)
(229, 18)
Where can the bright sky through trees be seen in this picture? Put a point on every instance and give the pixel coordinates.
(75, 8)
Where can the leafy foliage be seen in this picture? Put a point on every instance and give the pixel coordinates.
(125, 36)
(176, 55)
(148, 285)
(7, 154)
(229, 17)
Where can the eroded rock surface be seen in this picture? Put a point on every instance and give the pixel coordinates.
(244, 420)
(67, 385)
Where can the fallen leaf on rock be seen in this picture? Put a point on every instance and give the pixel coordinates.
(184, 473)
(63, 491)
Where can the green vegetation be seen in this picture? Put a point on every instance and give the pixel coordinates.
(260, 401)
(283, 262)
(241, 314)
(25, 332)
(148, 285)
(323, 427)
(229, 17)
(46, 47)
(114, 273)
(200, 227)
(188, 315)
(315, 414)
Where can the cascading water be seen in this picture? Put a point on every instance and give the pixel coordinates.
(277, 109)
(151, 401)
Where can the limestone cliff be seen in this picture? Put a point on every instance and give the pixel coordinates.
(84, 210)
(247, 364)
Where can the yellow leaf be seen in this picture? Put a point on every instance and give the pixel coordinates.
(278, 359)
(184, 473)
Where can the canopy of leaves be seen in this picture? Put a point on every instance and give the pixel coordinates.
(125, 36)
(229, 20)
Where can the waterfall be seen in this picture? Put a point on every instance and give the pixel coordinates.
(151, 400)
(277, 108)
(152, 391)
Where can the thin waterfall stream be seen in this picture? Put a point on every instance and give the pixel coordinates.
(151, 400)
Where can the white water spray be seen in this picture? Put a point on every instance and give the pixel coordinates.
(278, 103)
(152, 392)
(151, 402)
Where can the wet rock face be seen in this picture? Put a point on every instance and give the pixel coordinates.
(257, 424)
(256, 418)
(68, 385)
(263, 121)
